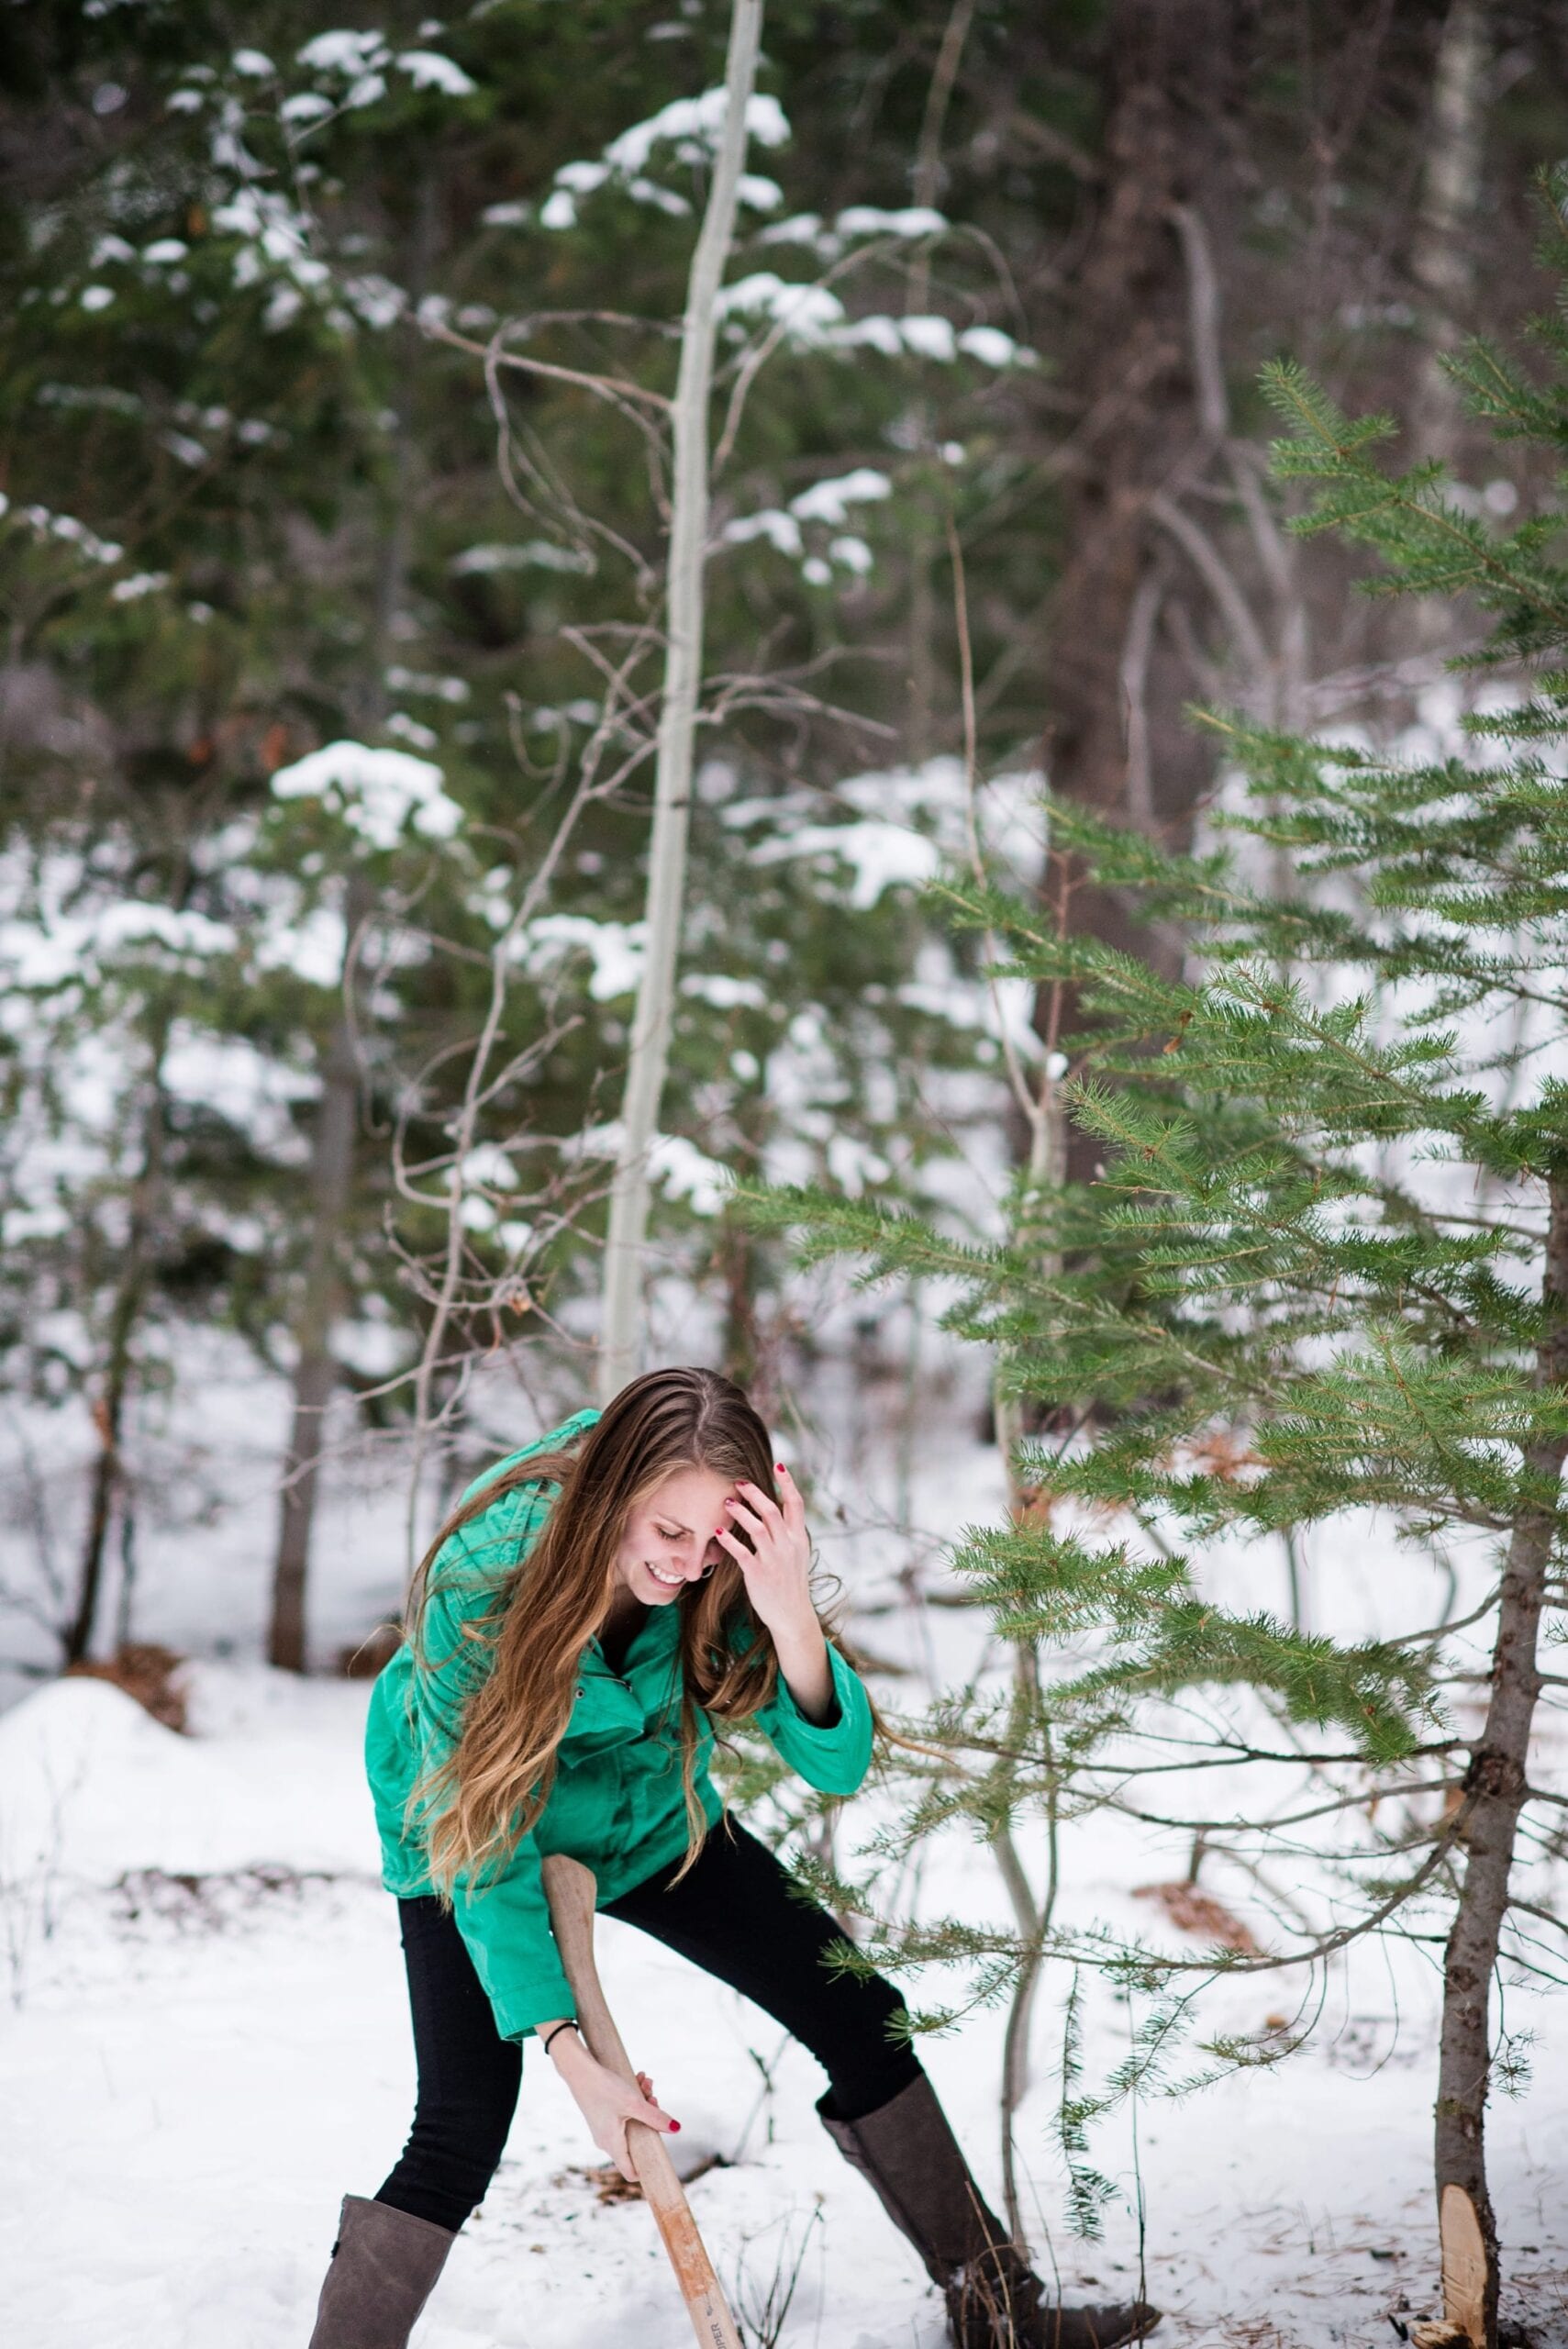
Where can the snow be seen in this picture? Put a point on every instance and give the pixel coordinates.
(374, 299)
(724, 991)
(138, 584)
(829, 501)
(762, 194)
(808, 311)
(867, 220)
(852, 1163)
(542, 553)
(274, 236)
(930, 337)
(419, 681)
(811, 317)
(699, 119)
(681, 1169)
(57, 945)
(780, 530)
(684, 1172)
(377, 792)
(490, 1164)
(692, 126)
(203, 2037)
(807, 228)
(310, 944)
(232, 1078)
(66, 529)
(203, 2044)
(95, 1787)
(826, 501)
(616, 950)
(881, 855)
(993, 348)
(852, 554)
(342, 52)
(409, 729)
(800, 229)
(429, 70)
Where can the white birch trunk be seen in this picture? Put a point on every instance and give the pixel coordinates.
(1442, 265)
(1441, 261)
(622, 1317)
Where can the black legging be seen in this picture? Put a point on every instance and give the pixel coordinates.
(735, 1914)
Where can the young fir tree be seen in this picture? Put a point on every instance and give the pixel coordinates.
(1320, 1280)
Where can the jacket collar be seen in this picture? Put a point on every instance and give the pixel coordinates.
(656, 1637)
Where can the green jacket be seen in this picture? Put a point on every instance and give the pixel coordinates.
(617, 1803)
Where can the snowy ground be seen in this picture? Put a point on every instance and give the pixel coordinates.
(205, 2045)
(203, 2039)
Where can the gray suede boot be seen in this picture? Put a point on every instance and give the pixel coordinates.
(907, 2153)
(384, 2265)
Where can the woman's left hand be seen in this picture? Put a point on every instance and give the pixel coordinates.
(777, 1567)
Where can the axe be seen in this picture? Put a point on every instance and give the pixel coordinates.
(569, 1888)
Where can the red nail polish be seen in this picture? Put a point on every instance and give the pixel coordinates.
(779, 1468)
(674, 2127)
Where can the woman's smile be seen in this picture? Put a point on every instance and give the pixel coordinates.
(670, 1539)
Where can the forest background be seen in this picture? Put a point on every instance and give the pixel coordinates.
(333, 564)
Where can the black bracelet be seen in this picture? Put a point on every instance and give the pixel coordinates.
(559, 2027)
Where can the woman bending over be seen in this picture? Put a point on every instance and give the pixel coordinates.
(592, 1606)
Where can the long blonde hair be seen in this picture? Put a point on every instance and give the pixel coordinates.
(516, 1683)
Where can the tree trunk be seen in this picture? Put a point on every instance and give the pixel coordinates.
(1441, 258)
(1033, 1920)
(621, 1325)
(1172, 66)
(108, 1412)
(1047, 1168)
(316, 1369)
(1496, 1784)
(1441, 261)
(921, 728)
(332, 1152)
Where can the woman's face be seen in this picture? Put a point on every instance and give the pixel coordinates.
(670, 1539)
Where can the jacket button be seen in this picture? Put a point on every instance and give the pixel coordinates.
(579, 1692)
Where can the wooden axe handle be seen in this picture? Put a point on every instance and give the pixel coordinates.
(569, 1888)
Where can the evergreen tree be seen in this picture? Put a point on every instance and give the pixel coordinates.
(256, 510)
(1317, 1282)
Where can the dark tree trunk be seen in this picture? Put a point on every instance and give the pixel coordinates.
(316, 1369)
(1442, 262)
(1442, 259)
(740, 1264)
(109, 1409)
(333, 1156)
(1172, 69)
(1497, 1785)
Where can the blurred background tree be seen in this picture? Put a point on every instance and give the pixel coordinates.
(1001, 285)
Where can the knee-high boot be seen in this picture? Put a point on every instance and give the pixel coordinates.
(384, 2265)
(908, 2155)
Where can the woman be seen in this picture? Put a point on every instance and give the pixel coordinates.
(593, 1605)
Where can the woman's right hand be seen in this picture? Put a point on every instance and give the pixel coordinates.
(607, 2102)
